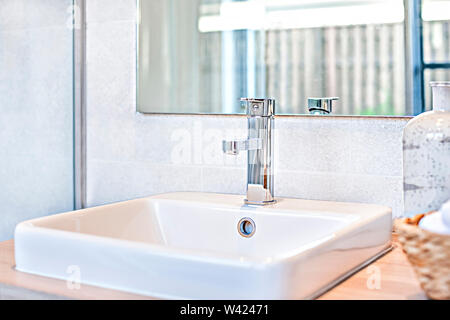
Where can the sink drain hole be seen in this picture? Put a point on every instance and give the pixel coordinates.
(246, 227)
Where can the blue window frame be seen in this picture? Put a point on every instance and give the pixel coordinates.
(418, 66)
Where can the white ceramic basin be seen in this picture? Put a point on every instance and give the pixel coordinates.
(187, 245)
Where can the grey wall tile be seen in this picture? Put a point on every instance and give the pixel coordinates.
(111, 70)
(117, 181)
(36, 92)
(22, 14)
(107, 10)
(376, 146)
(33, 187)
(328, 186)
(188, 140)
(314, 185)
(224, 180)
(313, 144)
(36, 121)
(382, 190)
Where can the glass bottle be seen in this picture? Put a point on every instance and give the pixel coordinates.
(426, 155)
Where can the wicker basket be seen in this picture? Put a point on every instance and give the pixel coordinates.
(429, 254)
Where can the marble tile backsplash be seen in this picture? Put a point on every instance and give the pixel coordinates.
(134, 155)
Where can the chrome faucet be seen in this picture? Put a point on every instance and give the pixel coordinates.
(321, 106)
(260, 115)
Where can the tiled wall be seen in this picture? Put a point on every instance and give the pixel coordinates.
(36, 159)
(133, 155)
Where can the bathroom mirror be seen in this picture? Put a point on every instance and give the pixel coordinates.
(201, 56)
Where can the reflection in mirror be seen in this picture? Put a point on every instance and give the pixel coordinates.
(436, 42)
(201, 56)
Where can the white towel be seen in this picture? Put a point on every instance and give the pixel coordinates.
(445, 210)
(438, 222)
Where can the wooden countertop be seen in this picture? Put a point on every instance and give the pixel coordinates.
(396, 281)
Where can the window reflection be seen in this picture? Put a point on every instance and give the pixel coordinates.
(290, 50)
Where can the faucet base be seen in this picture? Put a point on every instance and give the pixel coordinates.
(260, 203)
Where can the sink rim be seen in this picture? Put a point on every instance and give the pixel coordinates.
(355, 219)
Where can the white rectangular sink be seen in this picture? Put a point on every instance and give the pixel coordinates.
(188, 245)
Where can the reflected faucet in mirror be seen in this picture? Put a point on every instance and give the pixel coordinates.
(321, 106)
(259, 145)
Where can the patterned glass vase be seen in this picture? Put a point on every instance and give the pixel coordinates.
(426, 155)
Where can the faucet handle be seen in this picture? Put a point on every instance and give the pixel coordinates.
(321, 105)
(259, 107)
